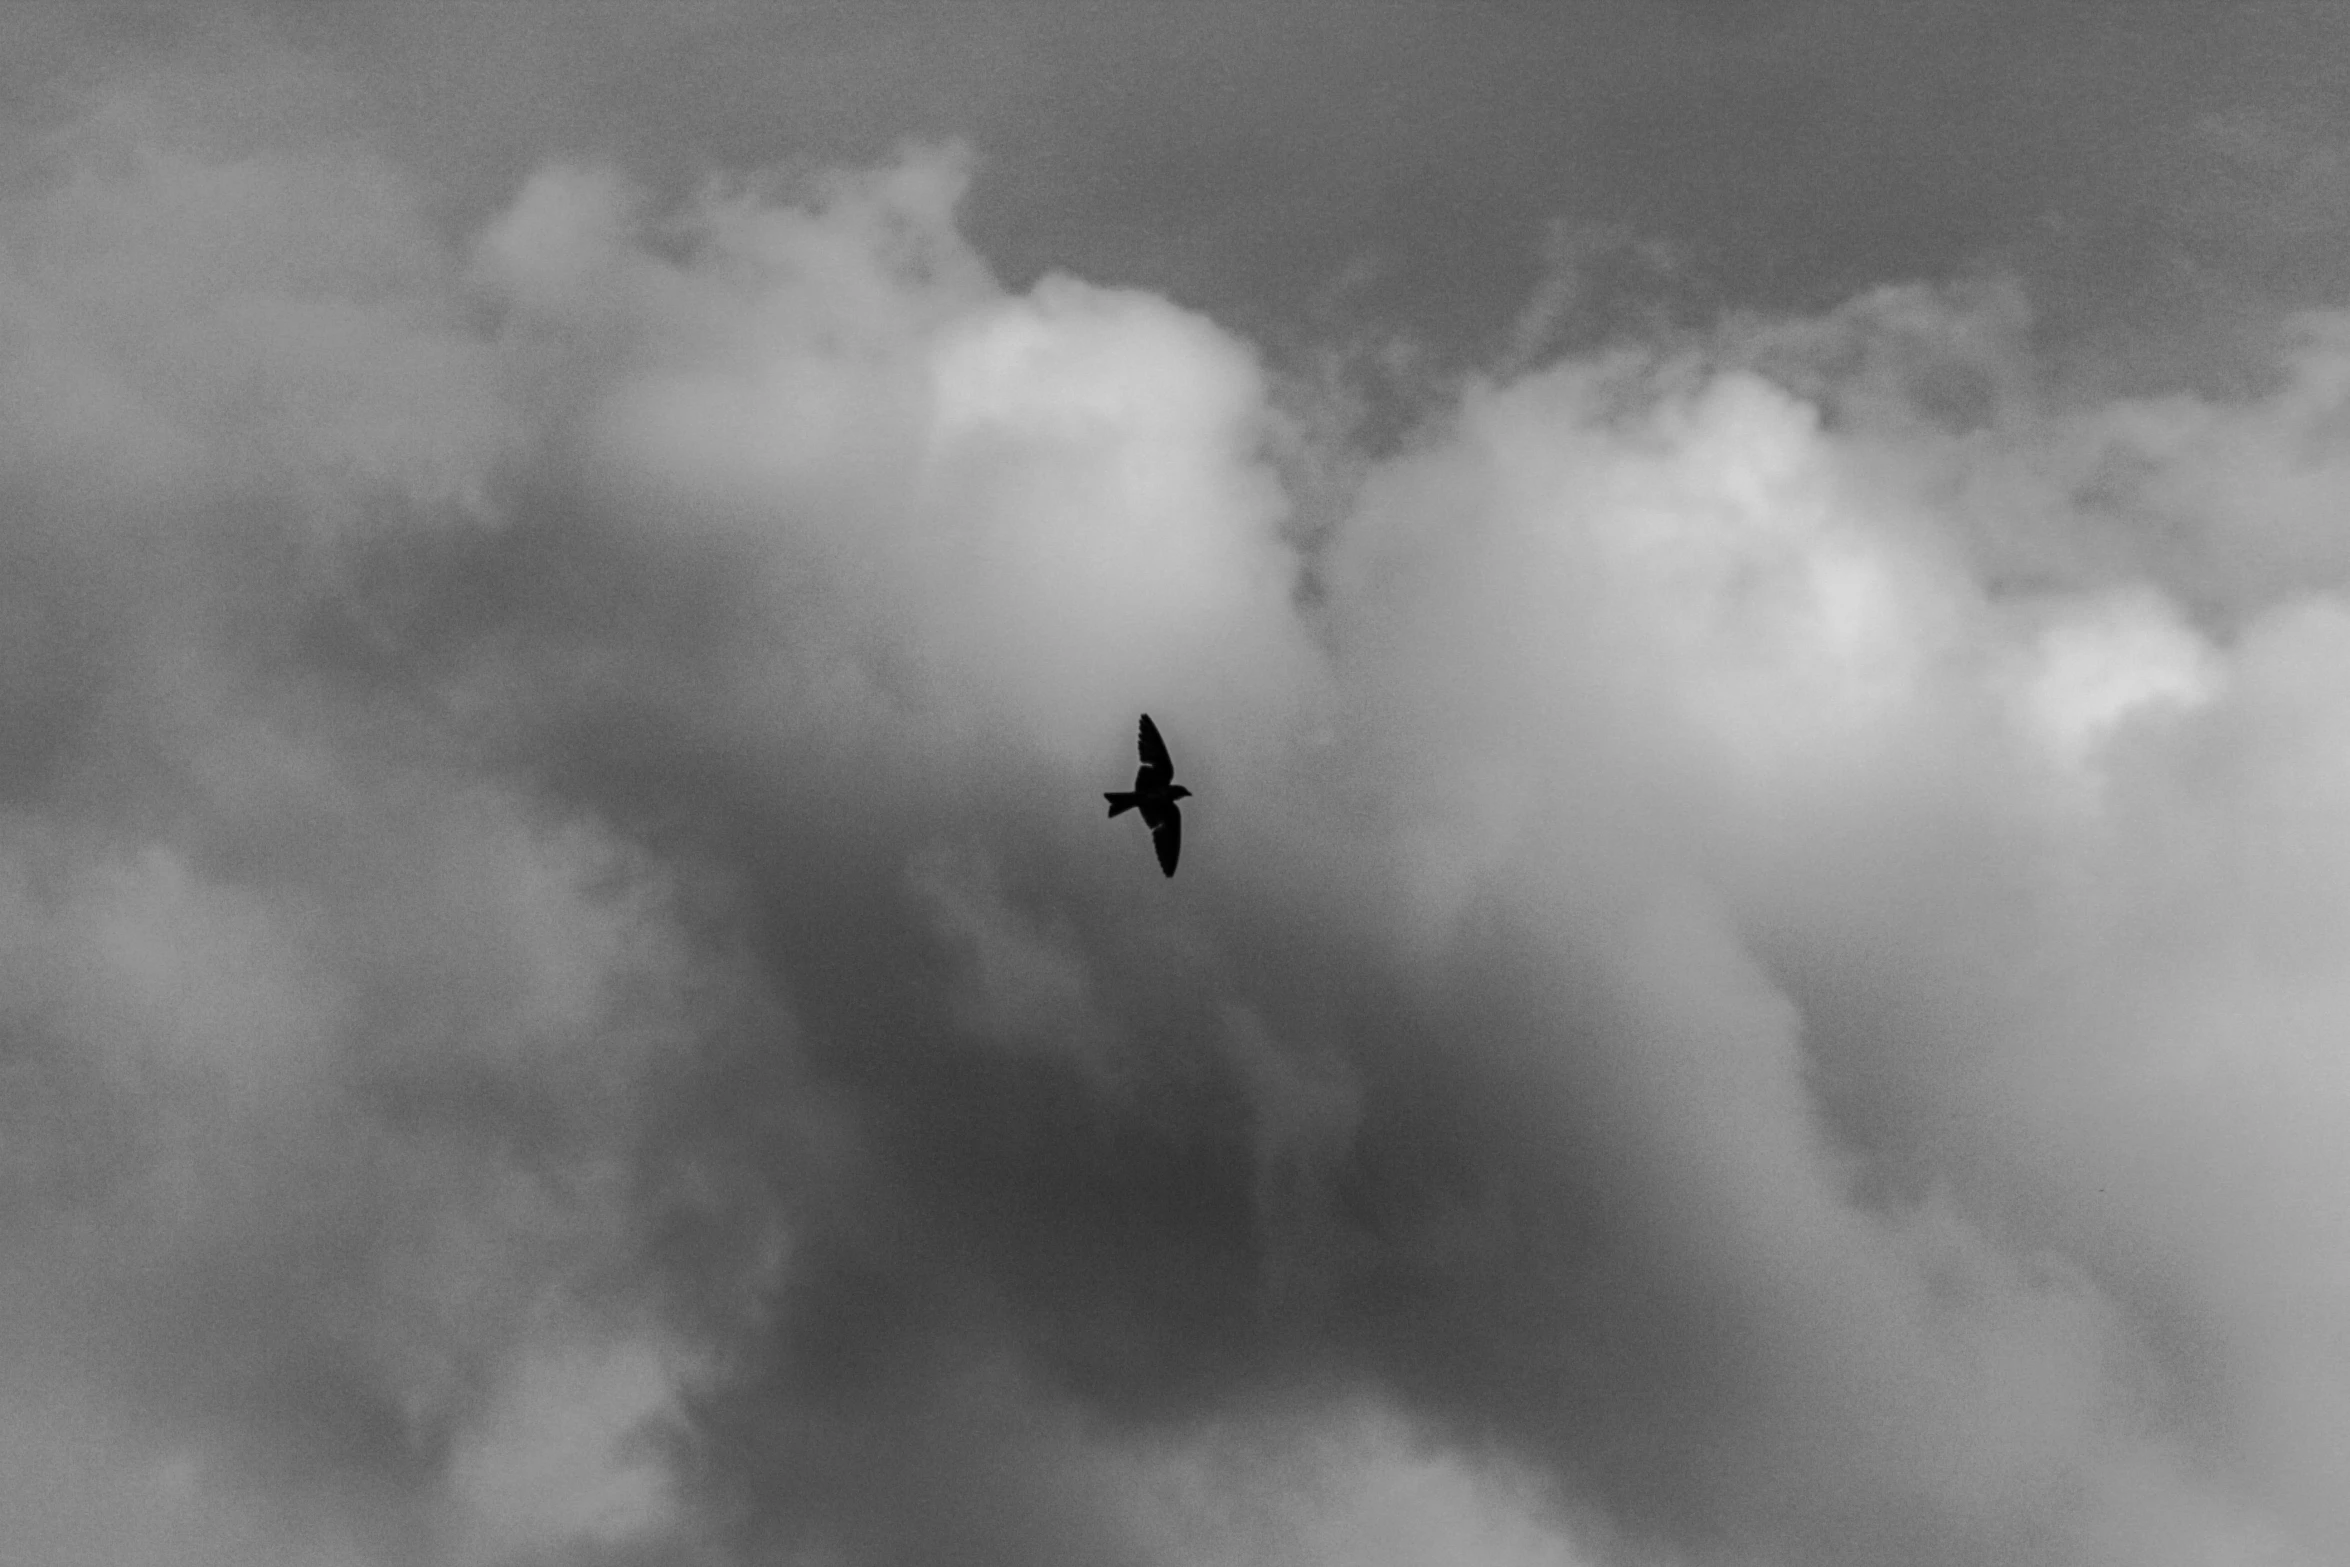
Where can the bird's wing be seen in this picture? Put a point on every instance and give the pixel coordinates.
(1167, 838)
(1158, 768)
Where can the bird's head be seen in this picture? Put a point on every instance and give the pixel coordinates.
(1179, 793)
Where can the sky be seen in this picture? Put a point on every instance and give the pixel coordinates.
(1753, 597)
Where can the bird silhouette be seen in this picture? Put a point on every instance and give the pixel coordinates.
(1154, 793)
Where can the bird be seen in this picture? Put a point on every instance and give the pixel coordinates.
(1154, 793)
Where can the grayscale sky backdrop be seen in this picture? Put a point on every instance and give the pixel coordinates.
(1756, 597)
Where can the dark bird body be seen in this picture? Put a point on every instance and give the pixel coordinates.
(1154, 794)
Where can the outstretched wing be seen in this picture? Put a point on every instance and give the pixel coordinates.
(1158, 768)
(1167, 838)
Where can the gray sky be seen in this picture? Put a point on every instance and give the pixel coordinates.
(1753, 597)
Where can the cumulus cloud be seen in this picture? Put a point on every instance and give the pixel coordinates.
(1755, 978)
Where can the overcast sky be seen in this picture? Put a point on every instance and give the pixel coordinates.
(1755, 597)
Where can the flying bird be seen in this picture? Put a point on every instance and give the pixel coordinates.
(1154, 793)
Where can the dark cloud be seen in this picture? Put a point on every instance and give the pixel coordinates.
(1246, 158)
(1756, 967)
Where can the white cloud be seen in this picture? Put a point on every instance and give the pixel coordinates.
(1765, 959)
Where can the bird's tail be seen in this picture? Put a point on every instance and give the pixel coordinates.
(1119, 802)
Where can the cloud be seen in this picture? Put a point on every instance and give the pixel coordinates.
(1794, 658)
(553, 1463)
(1754, 977)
